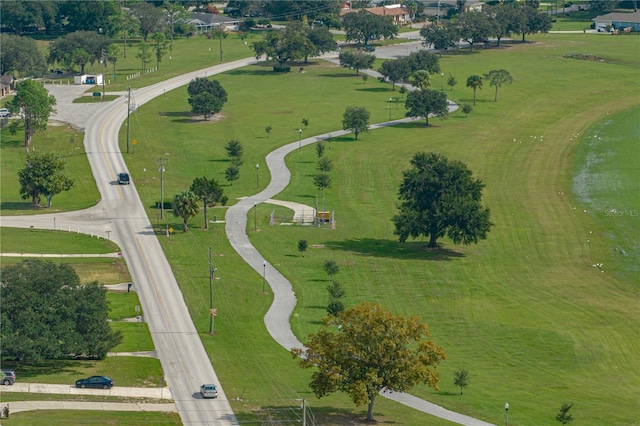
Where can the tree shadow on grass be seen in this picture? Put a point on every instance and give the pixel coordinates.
(373, 89)
(18, 205)
(341, 75)
(327, 415)
(394, 249)
(49, 368)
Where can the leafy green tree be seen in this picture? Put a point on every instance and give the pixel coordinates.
(144, 54)
(42, 175)
(395, 70)
(425, 102)
(474, 26)
(320, 149)
(210, 193)
(18, 15)
(292, 43)
(322, 41)
(47, 314)
(441, 37)
(305, 122)
(497, 78)
(81, 58)
(451, 81)
(372, 350)
(124, 23)
(439, 197)
(86, 16)
(535, 21)
(113, 53)
(421, 79)
(505, 19)
(34, 104)
(160, 44)
(185, 205)
(466, 109)
(475, 82)
(423, 60)
(175, 13)
(324, 164)
(461, 379)
(268, 130)
(365, 27)
(302, 246)
(356, 60)
(206, 96)
(336, 294)
(151, 18)
(63, 50)
(356, 120)
(330, 267)
(20, 56)
(235, 150)
(563, 415)
(232, 173)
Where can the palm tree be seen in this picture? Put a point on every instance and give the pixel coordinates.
(210, 193)
(185, 205)
(475, 82)
(422, 79)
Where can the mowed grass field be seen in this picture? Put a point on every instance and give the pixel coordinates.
(524, 311)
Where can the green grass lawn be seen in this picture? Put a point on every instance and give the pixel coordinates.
(66, 417)
(524, 311)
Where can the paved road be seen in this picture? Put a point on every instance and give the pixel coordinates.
(184, 361)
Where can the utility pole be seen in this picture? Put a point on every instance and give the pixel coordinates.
(212, 271)
(161, 170)
(128, 116)
(220, 43)
(103, 60)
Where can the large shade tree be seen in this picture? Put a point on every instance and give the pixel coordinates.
(20, 56)
(425, 102)
(356, 120)
(367, 349)
(356, 60)
(34, 104)
(364, 27)
(206, 96)
(48, 314)
(440, 197)
(43, 175)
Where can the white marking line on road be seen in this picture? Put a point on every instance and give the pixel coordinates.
(104, 155)
(153, 281)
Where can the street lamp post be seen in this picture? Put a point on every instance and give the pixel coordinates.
(257, 176)
(442, 75)
(103, 59)
(438, 13)
(506, 413)
(300, 140)
(255, 215)
(390, 100)
(264, 274)
(212, 271)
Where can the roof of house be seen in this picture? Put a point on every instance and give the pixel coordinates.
(619, 17)
(392, 10)
(211, 18)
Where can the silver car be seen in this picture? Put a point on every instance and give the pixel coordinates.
(209, 391)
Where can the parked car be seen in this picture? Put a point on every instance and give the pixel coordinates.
(209, 391)
(4, 112)
(8, 377)
(99, 382)
(124, 179)
(369, 48)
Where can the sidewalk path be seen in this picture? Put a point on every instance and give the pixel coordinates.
(116, 254)
(120, 391)
(19, 406)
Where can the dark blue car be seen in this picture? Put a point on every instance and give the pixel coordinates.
(99, 382)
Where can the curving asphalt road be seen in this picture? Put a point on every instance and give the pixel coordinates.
(121, 216)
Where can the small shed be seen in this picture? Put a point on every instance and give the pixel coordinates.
(88, 79)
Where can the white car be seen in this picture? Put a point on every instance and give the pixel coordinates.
(4, 112)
